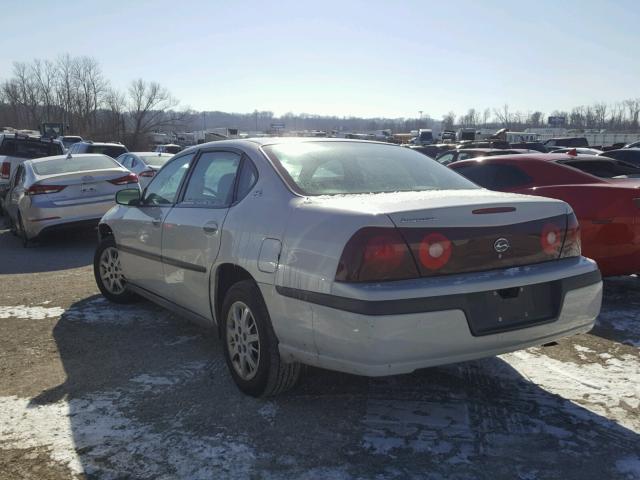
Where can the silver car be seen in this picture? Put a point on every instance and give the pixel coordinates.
(63, 191)
(355, 256)
(144, 164)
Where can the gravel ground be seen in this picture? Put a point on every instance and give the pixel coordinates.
(93, 390)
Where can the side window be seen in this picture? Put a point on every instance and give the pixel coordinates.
(211, 183)
(164, 187)
(446, 158)
(18, 179)
(248, 178)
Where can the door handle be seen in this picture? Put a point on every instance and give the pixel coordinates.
(210, 228)
(156, 223)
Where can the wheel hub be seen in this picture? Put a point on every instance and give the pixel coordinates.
(243, 341)
(110, 271)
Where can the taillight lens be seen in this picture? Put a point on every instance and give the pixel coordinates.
(6, 170)
(572, 245)
(551, 239)
(434, 251)
(376, 254)
(147, 173)
(43, 189)
(129, 178)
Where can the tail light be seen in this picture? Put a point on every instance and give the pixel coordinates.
(434, 251)
(572, 245)
(551, 239)
(5, 172)
(43, 189)
(573, 152)
(376, 254)
(129, 178)
(147, 173)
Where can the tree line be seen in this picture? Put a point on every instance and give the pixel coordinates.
(76, 92)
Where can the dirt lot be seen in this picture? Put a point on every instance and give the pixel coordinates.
(89, 389)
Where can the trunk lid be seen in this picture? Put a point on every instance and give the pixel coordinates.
(84, 187)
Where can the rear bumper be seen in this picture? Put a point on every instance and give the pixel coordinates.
(40, 218)
(401, 334)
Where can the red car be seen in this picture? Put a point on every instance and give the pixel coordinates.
(603, 192)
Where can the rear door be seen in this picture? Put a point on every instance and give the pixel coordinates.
(140, 229)
(192, 231)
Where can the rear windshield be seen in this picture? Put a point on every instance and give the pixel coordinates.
(74, 164)
(156, 160)
(331, 168)
(29, 148)
(113, 151)
(605, 169)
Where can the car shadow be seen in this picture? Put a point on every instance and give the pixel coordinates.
(619, 319)
(54, 251)
(149, 396)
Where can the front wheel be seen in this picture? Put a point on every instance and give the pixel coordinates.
(108, 273)
(250, 344)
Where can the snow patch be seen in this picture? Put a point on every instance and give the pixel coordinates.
(30, 313)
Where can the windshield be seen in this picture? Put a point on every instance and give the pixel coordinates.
(156, 160)
(330, 168)
(74, 164)
(114, 151)
(22, 148)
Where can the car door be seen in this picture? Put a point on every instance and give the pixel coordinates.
(140, 229)
(193, 229)
(16, 192)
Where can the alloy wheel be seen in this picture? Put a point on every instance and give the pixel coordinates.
(243, 340)
(110, 271)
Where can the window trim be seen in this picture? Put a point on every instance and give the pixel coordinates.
(235, 200)
(142, 204)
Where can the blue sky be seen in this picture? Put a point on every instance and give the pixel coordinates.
(364, 58)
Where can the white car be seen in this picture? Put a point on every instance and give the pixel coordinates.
(144, 164)
(63, 191)
(356, 256)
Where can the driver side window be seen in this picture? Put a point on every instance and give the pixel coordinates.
(164, 187)
(211, 183)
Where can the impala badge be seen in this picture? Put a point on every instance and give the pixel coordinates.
(501, 245)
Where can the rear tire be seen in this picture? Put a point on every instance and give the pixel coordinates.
(21, 232)
(108, 273)
(251, 346)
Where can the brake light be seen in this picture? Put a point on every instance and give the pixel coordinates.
(573, 152)
(376, 254)
(147, 173)
(129, 178)
(43, 189)
(572, 244)
(551, 239)
(434, 251)
(6, 170)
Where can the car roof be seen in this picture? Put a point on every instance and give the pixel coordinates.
(262, 141)
(58, 157)
(111, 144)
(150, 154)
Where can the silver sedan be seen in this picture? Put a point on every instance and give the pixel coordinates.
(144, 164)
(62, 191)
(355, 256)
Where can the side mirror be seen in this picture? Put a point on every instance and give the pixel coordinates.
(128, 197)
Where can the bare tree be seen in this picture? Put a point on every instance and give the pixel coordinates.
(149, 107)
(503, 115)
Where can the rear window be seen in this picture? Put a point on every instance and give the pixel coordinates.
(605, 168)
(73, 164)
(113, 151)
(331, 168)
(156, 160)
(495, 176)
(29, 148)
